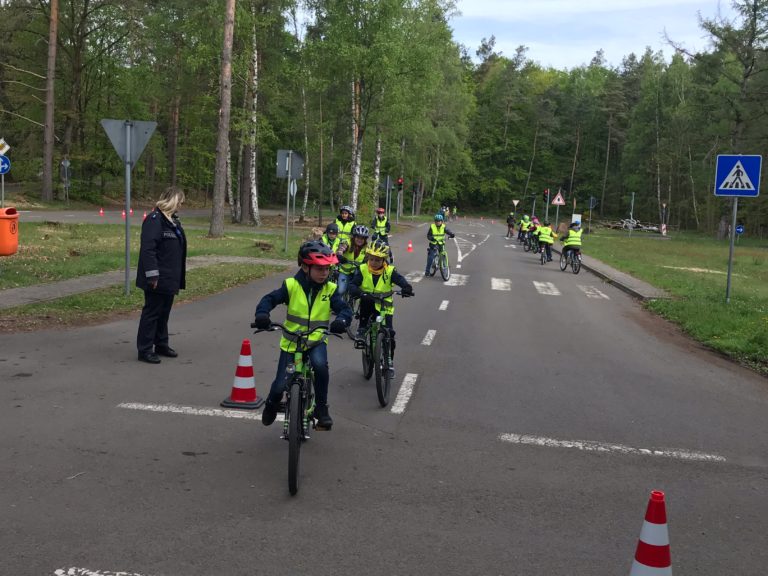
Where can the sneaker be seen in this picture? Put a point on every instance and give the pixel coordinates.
(360, 335)
(269, 413)
(324, 421)
(149, 357)
(392, 369)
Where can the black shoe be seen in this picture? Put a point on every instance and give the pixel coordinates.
(149, 357)
(324, 421)
(166, 351)
(269, 413)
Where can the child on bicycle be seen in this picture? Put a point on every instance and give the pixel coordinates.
(376, 276)
(511, 225)
(436, 236)
(353, 256)
(546, 238)
(331, 237)
(525, 226)
(572, 238)
(346, 222)
(310, 298)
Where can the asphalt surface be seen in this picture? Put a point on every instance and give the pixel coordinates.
(537, 426)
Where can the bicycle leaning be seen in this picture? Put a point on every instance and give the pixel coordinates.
(300, 404)
(440, 260)
(376, 346)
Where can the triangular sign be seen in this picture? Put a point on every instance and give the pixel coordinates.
(515, 202)
(737, 179)
(559, 200)
(141, 132)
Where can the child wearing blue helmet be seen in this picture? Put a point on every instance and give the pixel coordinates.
(436, 236)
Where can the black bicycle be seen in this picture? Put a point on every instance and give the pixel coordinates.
(300, 405)
(376, 346)
(572, 258)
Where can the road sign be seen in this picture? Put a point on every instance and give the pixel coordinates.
(738, 175)
(559, 200)
(296, 164)
(5, 165)
(293, 188)
(4, 147)
(140, 133)
(592, 202)
(515, 202)
(740, 229)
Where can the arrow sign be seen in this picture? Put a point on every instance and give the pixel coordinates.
(141, 132)
(5, 165)
(559, 200)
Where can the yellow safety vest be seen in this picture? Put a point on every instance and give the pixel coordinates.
(545, 234)
(573, 239)
(525, 226)
(304, 316)
(381, 227)
(382, 286)
(347, 268)
(438, 234)
(327, 241)
(345, 230)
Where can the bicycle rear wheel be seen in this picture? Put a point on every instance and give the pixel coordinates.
(445, 269)
(526, 244)
(381, 363)
(575, 263)
(295, 416)
(367, 357)
(543, 254)
(563, 261)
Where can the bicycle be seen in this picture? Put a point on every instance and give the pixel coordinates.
(543, 254)
(352, 302)
(573, 258)
(300, 405)
(376, 346)
(440, 259)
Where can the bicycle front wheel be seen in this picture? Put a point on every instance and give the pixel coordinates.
(563, 261)
(445, 269)
(433, 267)
(526, 245)
(295, 416)
(381, 363)
(367, 358)
(543, 254)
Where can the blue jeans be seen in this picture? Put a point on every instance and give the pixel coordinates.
(432, 252)
(318, 356)
(341, 283)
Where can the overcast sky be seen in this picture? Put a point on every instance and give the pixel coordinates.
(567, 33)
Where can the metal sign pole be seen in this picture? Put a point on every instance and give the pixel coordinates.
(128, 160)
(632, 215)
(287, 199)
(730, 255)
(557, 216)
(589, 226)
(2, 189)
(546, 212)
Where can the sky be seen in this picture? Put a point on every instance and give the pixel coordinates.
(567, 33)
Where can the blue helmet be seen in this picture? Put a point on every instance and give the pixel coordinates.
(576, 223)
(439, 217)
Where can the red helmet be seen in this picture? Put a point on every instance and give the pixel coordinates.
(380, 210)
(317, 253)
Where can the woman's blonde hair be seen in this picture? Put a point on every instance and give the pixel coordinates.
(170, 200)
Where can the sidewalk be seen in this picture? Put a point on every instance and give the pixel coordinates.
(13, 297)
(629, 284)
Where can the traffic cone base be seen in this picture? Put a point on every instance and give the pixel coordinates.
(410, 246)
(244, 387)
(653, 557)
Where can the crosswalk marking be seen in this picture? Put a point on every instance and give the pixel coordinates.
(501, 284)
(444, 305)
(546, 288)
(457, 280)
(414, 277)
(429, 337)
(593, 292)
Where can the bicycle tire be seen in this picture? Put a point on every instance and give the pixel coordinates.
(354, 303)
(295, 417)
(527, 245)
(381, 365)
(445, 269)
(575, 264)
(563, 262)
(433, 268)
(367, 358)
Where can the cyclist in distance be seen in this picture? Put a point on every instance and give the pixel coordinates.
(546, 238)
(525, 226)
(436, 236)
(331, 237)
(511, 225)
(355, 254)
(310, 298)
(377, 276)
(381, 226)
(572, 238)
(345, 221)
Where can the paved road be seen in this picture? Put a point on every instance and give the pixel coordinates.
(545, 409)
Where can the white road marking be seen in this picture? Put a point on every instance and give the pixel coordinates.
(457, 280)
(414, 277)
(458, 265)
(590, 446)
(701, 270)
(406, 390)
(87, 572)
(509, 246)
(428, 338)
(593, 292)
(444, 305)
(195, 411)
(501, 284)
(546, 288)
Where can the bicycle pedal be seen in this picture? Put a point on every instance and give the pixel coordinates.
(359, 344)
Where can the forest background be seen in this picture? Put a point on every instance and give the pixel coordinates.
(365, 89)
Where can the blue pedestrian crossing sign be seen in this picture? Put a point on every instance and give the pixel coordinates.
(738, 175)
(5, 165)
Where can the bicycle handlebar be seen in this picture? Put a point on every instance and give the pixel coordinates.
(274, 326)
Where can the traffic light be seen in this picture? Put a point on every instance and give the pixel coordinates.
(399, 184)
(546, 194)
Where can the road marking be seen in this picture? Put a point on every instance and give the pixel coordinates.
(509, 246)
(444, 305)
(593, 292)
(458, 265)
(457, 280)
(590, 446)
(414, 277)
(428, 338)
(404, 394)
(195, 411)
(546, 288)
(87, 572)
(501, 284)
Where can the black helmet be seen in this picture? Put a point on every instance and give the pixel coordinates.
(332, 228)
(315, 252)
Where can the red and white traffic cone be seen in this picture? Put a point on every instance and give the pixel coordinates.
(131, 212)
(123, 214)
(244, 387)
(410, 246)
(652, 557)
(101, 211)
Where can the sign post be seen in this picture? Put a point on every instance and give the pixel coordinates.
(546, 211)
(592, 204)
(5, 167)
(65, 175)
(128, 138)
(558, 201)
(290, 165)
(632, 215)
(736, 176)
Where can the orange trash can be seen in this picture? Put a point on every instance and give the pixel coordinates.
(9, 231)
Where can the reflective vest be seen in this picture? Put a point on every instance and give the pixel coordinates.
(383, 285)
(545, 234)
(345, 230)
(438, 234)
(574, 238)
(332, 245)
(525, 225)
(380, 226)
(303, 315)
(347, 268)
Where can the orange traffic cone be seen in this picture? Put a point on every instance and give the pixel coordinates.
(410, 246)
(101, 211)
(244, 387)
(123, 214)
(652, 557)
(131, 212)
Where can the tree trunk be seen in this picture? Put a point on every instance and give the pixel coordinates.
(377, 168)
(253, 156)
(306, 155)
(530, 167)
(437, 172)
(357, 144)
(173, 139)
(230, 196)
(573, 168)
(607, 158)
(245, 185)
(222, 147)
(322, 170)
(48, 135)
(658, 160)
(693, 188)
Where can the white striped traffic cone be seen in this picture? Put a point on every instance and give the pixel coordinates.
(244, 387)
(652, 557)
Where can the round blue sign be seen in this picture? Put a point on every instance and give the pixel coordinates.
(740, 229)
(5, 165)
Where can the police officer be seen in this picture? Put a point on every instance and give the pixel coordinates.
(161, 274)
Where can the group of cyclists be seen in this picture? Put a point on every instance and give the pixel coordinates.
(540, 234)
